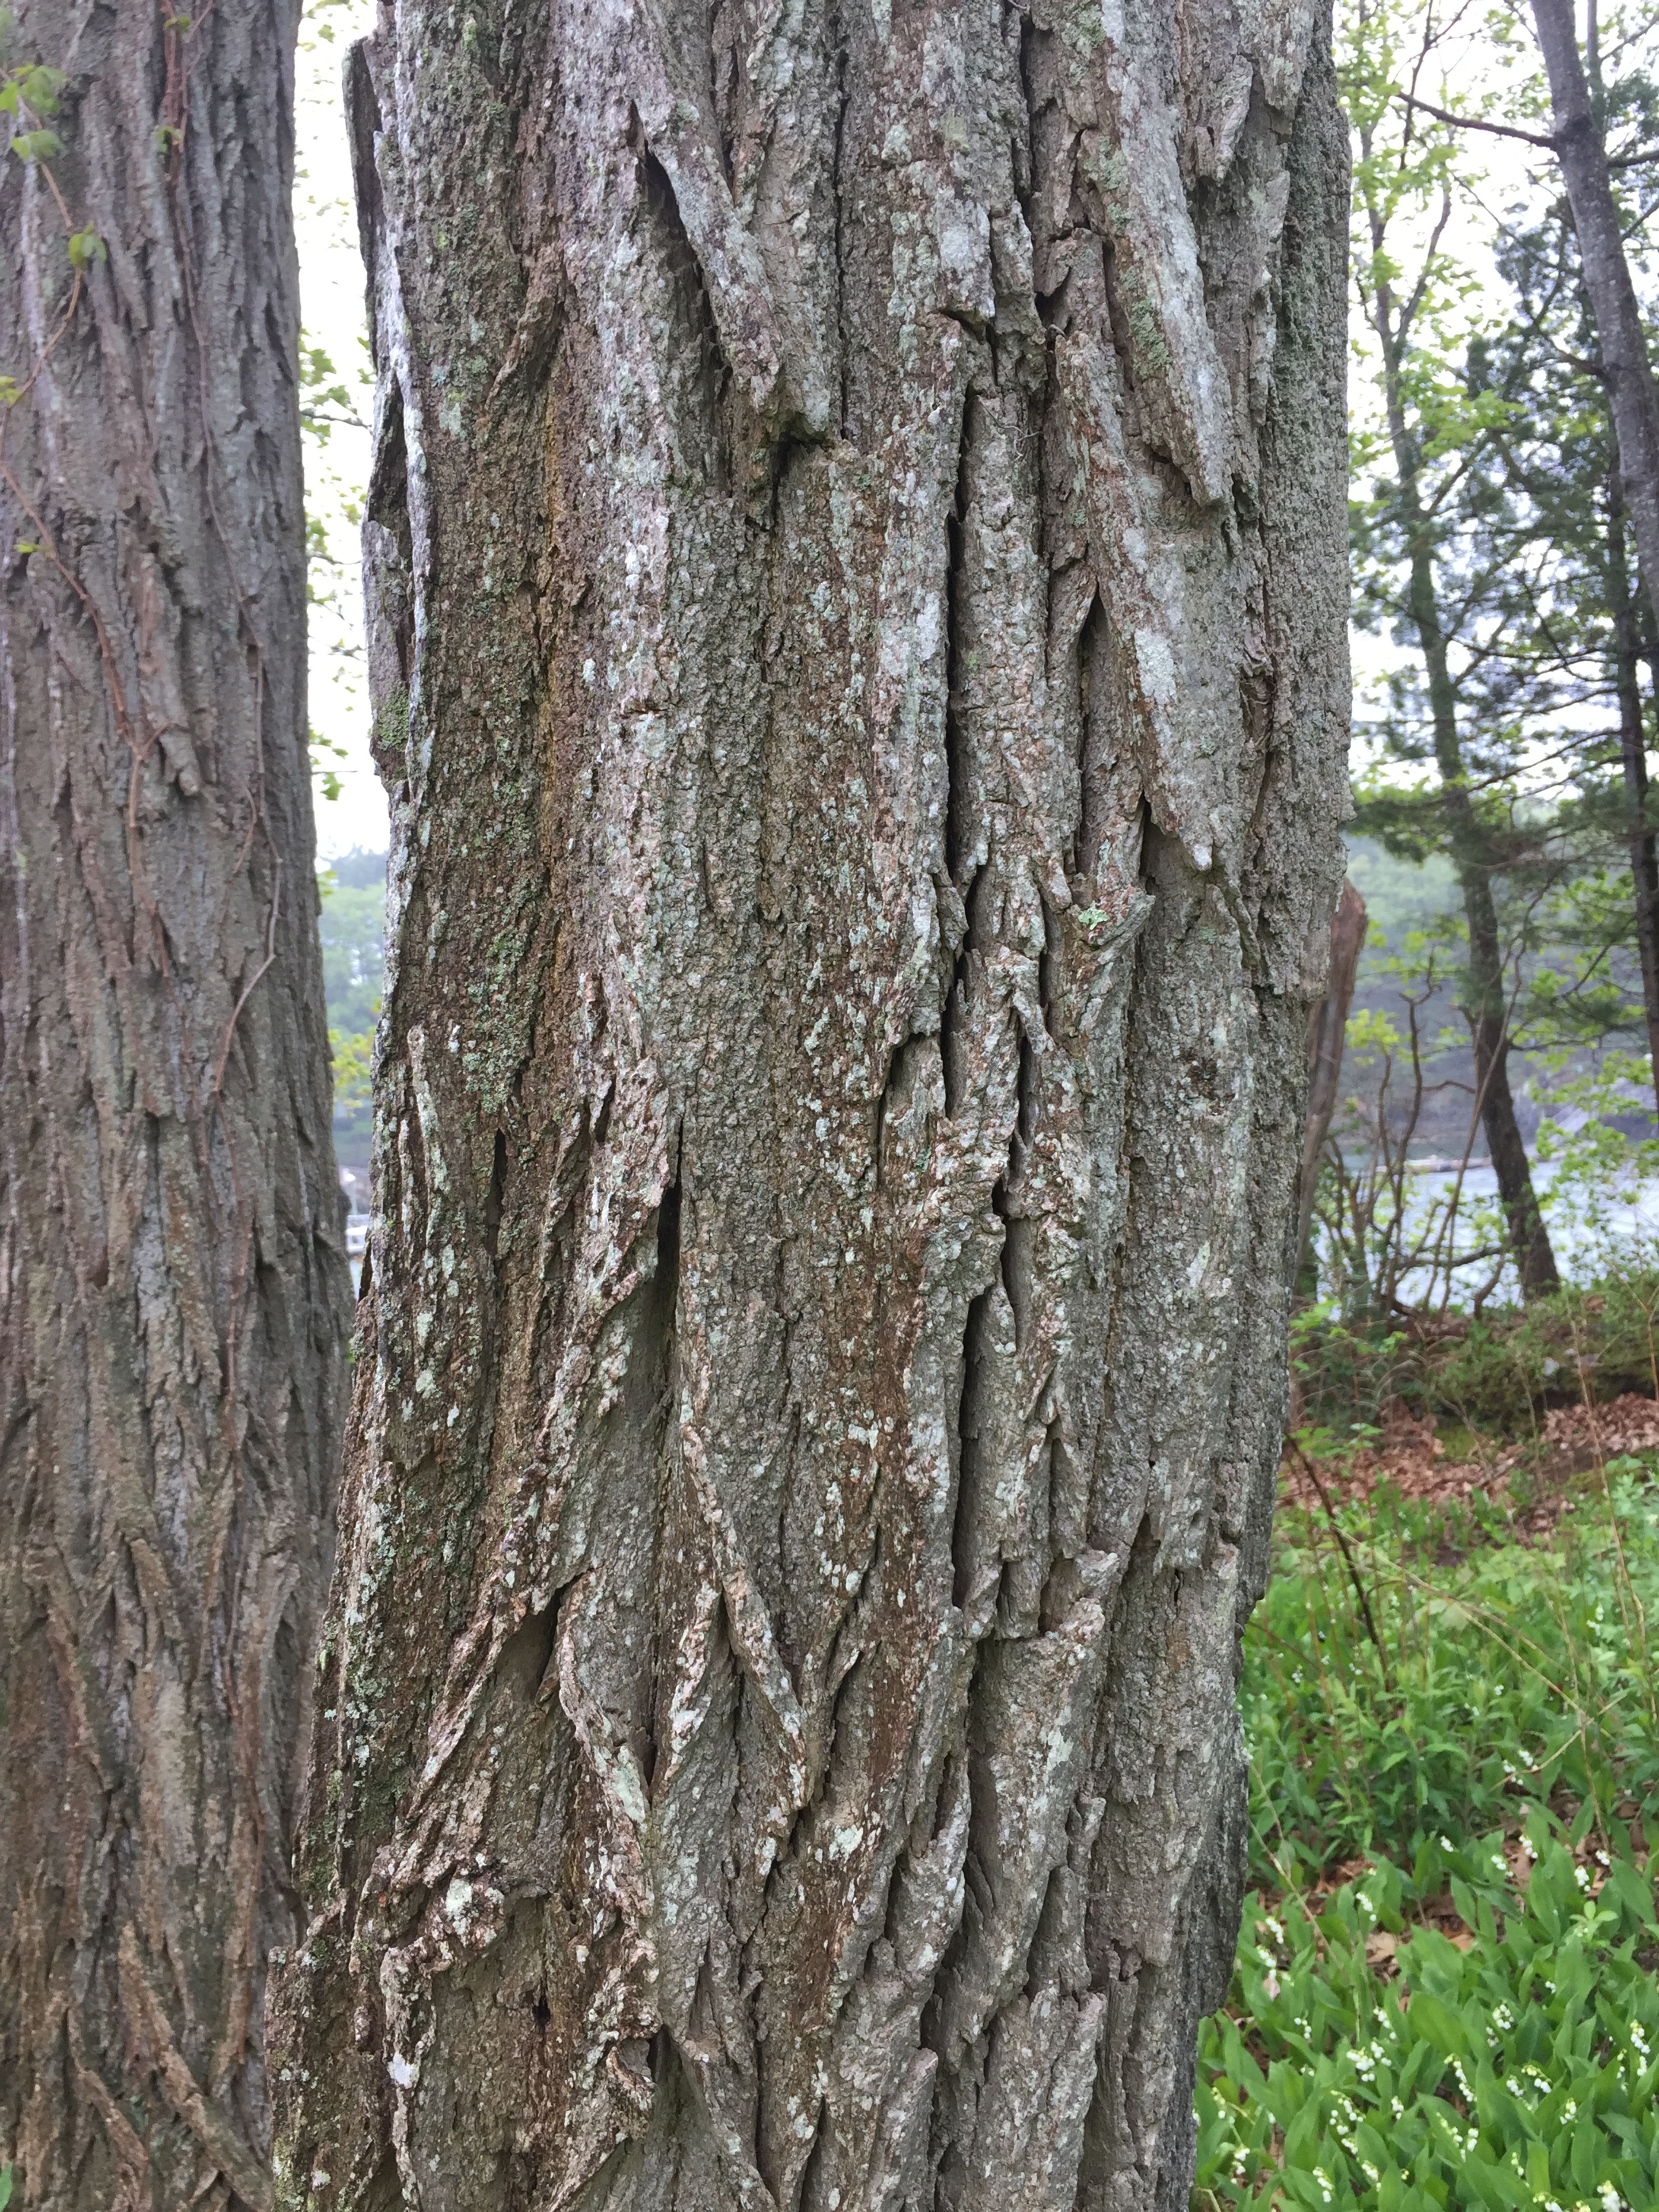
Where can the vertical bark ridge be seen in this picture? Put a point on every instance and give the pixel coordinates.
(174, 1293)
(889, 798)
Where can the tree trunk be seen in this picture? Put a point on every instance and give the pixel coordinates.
(858, 586)
(1326, 1028)
(1487, 1006)
(173, 1288)
(1626, 370)
(1633, 759)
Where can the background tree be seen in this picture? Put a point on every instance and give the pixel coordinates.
(173, 1296)
(857, 595)
(1562, 660)
(1434, 425)
(1579, 144)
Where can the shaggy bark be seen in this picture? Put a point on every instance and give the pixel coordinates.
(173, 1288)
(857, 587)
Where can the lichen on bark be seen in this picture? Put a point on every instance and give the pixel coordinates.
(859, 529)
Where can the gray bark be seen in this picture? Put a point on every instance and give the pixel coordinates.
(1627, 629)
(1634, 401)
(173, 1288)
(858, 586)
(1625, 367)
(1326, 1030)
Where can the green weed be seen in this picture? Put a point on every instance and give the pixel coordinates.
(1516, 2069)
(1449, 1731)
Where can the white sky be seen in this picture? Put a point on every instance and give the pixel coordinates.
(332, 309)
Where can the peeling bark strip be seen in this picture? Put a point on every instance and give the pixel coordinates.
(173, 1291)
(857, 587)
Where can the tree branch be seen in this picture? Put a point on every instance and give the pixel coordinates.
(1478, 123)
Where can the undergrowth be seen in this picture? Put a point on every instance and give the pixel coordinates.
(1445, 1994)
(1494, 1371)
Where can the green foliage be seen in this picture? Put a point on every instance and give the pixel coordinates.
(1502, 1673)
(1491, 1756)
(27, 93)
(316, 24)
(86, 248)
(1399, 894)
(323, 749)
(352, 1055)
(352, 926)
(32, 89)
(324, 399)
(1485, 1371)
(5, 2187)
(1517, 2072)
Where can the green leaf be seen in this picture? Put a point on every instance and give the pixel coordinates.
(1437, 2024)
(40, 87)
(85, 247)
(1623, 1885)
(37, 145)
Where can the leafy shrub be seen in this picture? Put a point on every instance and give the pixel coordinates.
(1495, 1371)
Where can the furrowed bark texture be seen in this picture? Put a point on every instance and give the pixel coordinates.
(174, 1290)
(858, 588)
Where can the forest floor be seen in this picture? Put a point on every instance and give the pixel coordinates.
(1445, 1992)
